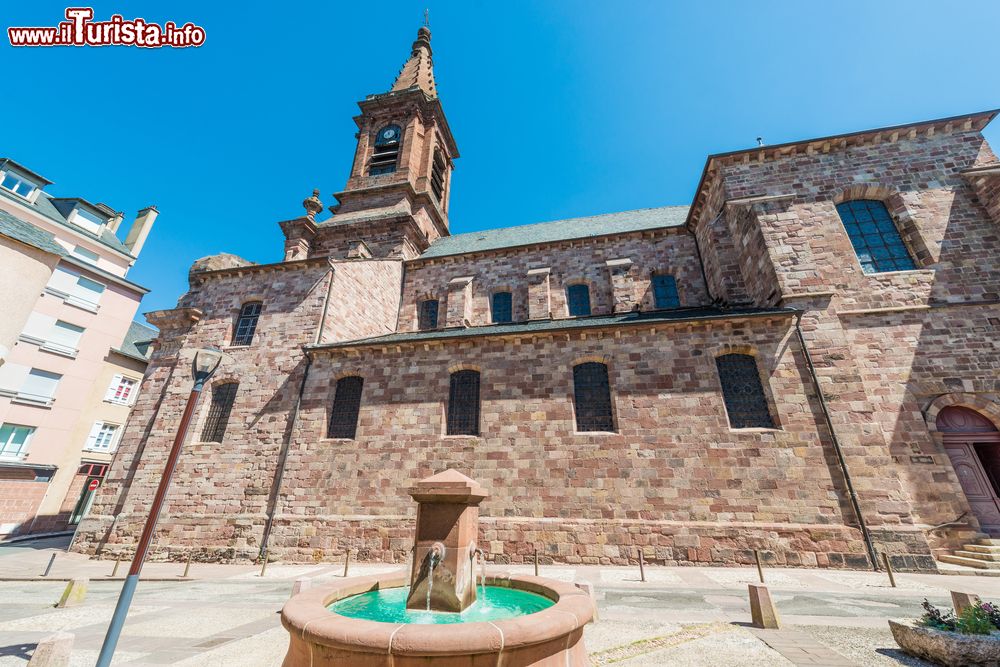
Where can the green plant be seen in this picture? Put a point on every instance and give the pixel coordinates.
(934, 618)
(974, 620)
(993, 611)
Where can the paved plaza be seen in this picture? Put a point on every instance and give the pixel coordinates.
(229, 614)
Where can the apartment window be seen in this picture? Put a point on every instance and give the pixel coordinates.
(437, 174)
(17, 185)
(665, 291)
(386, 153)
(39, 387)
(463, 403)
(14, 440)
(502, 307)
(103, 437)
(743, 392)
(86, 255)
(578, 300)
(223, 396)
(88, 220)
(121, 391)
(592, 397)
(427, 317)
(874, 235)
(64, 337)
(346, 406)
(246, 323)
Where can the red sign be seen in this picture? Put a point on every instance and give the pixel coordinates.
(93, 484)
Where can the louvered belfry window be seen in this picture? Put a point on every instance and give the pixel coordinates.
(223, 396)
(346, 406)
(463, 403)
(743, 392)
(427, 316)
(437, 175)
(592, 397)
(874, 235)
(386, 150)
(246, 324)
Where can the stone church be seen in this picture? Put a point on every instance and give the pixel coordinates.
(804, 361)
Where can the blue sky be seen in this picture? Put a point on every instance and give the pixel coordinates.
(560, 109)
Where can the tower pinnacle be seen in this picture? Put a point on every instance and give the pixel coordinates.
(418, 72)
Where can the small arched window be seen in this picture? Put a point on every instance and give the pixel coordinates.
(437, 174)
(665, 291)
(874, 235)
(427, 314)
(246, 323)
(346, 406)
(502, 307)
(743, 392)
(578, 300)
(223, 397)
(386, 153)
(592, 397)
(463, 403)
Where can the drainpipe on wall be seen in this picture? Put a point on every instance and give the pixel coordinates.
(836, 447)
(286, 445)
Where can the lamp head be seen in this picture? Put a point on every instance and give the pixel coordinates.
(206, 361)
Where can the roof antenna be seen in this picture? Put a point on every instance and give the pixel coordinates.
(760, 141)
(427, 18)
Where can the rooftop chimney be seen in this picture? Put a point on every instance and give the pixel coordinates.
(116, 222)
(140, 230)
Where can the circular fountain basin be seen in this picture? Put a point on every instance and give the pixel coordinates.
(543, 626)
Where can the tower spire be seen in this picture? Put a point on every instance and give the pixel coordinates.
(418, 72)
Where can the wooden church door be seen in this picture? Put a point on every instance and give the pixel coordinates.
(973, 445)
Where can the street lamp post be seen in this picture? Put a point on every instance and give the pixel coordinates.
(206, 361)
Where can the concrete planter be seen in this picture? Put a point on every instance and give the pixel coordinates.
(947, 648)
(549, 638)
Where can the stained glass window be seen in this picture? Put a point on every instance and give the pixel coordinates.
(346, 406)
(503, 309)
(874, 236)
(428, 314)
(578, 300)
(592, 397)
(463, 403)
(223, 396)
(665, 291)
(246, 324)
(742, 392)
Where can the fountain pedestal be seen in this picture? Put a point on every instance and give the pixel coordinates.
(442, 577)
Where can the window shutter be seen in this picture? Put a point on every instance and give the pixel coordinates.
(94, 432)
(113, 389)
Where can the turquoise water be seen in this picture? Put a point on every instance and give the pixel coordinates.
(389, 606)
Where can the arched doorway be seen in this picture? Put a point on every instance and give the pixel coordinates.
(973, 445)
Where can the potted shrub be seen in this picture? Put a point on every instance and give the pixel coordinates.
(970, 639)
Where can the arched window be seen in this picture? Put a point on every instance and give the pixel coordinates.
(463, 403)
(578, 300)
(873, 234)
(223, 396)
(592, 397)
(502, 307)
(386, 152)
(437, 174)
(246, 323)
(742, 392)
(427, 314)
(665, 291)
(346, 406)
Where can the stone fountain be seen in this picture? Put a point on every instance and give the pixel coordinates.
(437, 613)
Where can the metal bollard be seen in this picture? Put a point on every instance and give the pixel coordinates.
(760, 568)
(263, 566)
(642, 566)
(347, 562)
(118, 561)
(48, 568)
(888, 569)
(187, 566)
(536, 560)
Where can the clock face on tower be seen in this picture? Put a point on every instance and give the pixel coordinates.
(389, 134)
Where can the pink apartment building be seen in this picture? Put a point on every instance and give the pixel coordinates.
(71, 358)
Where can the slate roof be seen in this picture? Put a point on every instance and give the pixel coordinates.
(558, 230)
(137, 340)
(28, 234)
(623, 319)
(45, 206)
